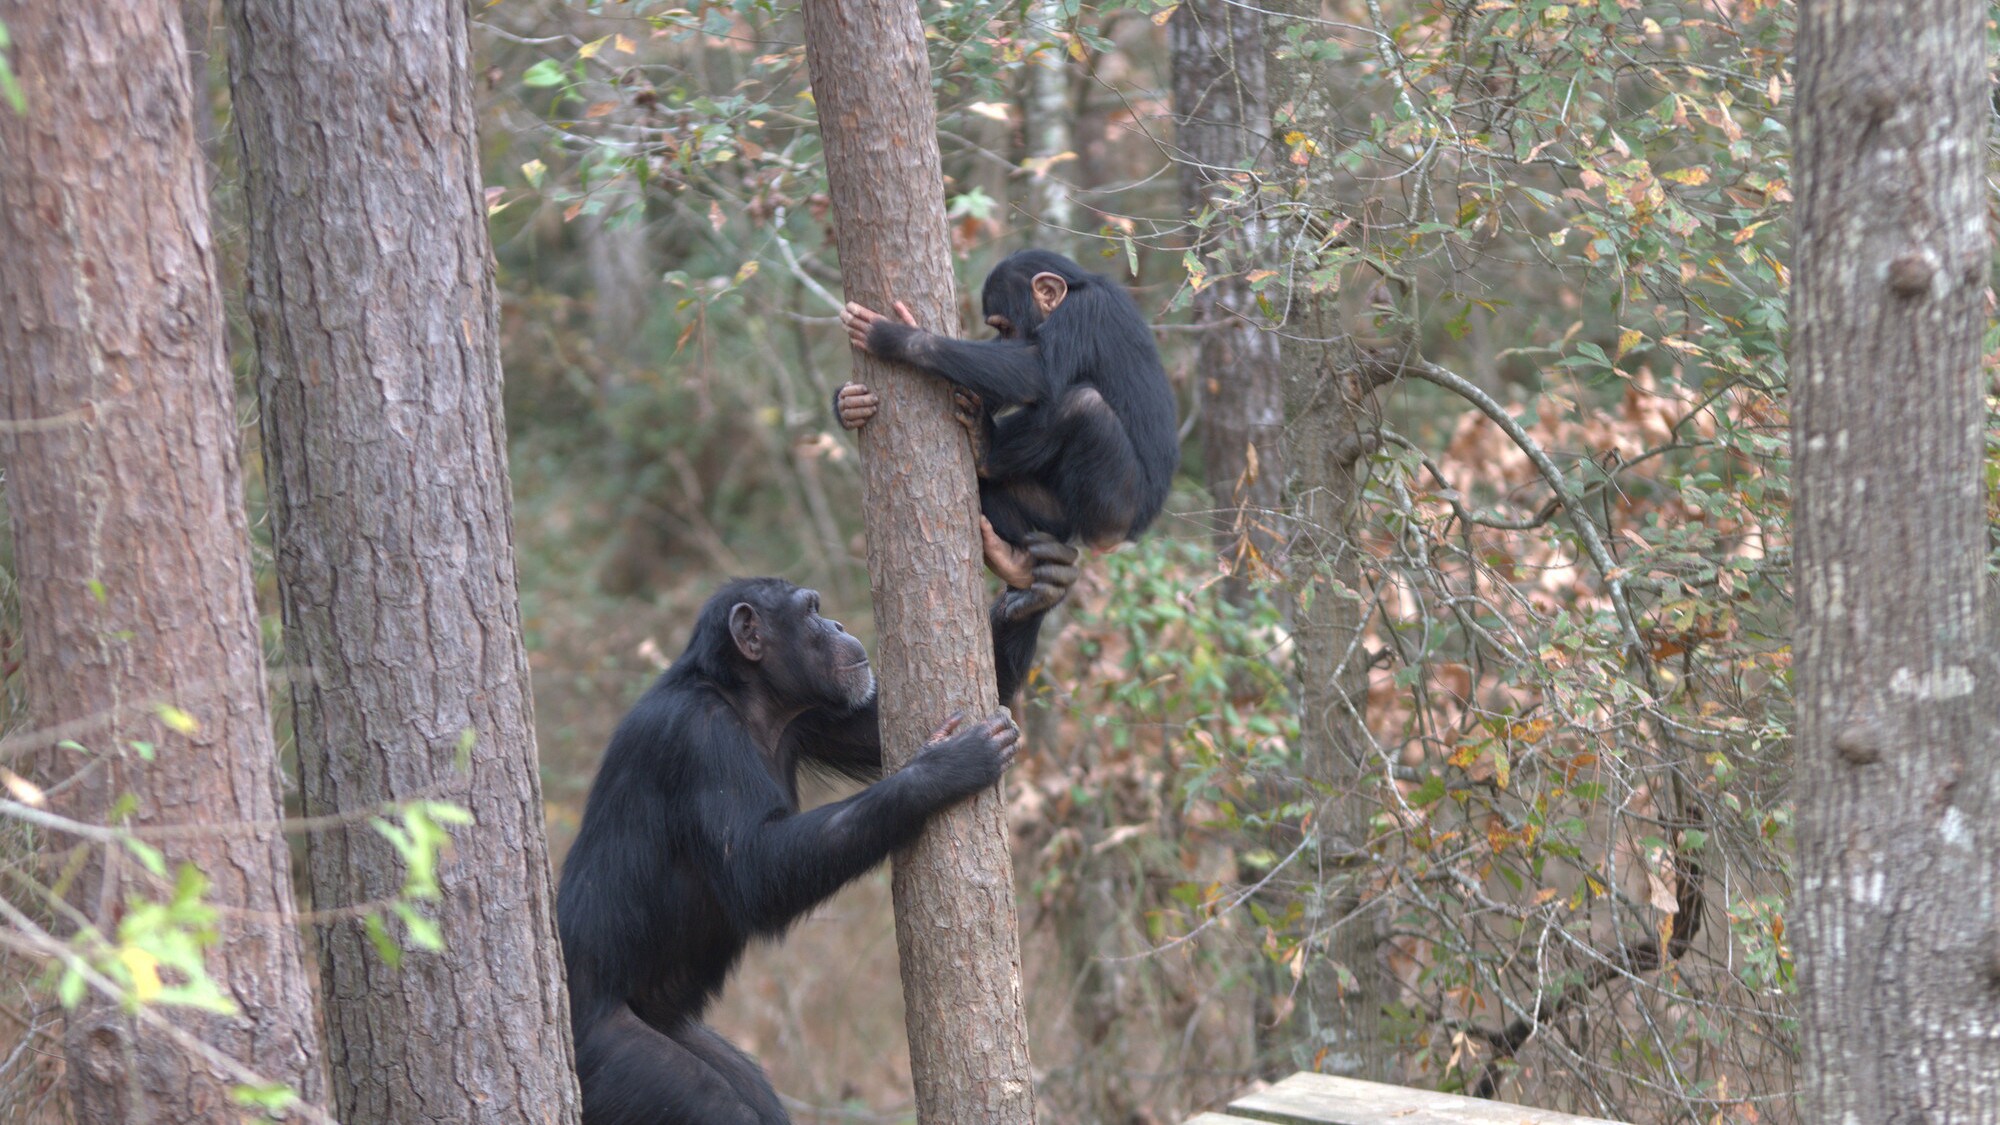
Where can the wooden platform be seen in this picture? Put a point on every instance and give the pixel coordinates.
(1321, 1099)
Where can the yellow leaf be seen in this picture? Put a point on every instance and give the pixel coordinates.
(746, 272)
(1161, 17)
(23, 790)
(177, 720)
(145, 970)
(1255, 276)
(1076, 49)
(1629, 339)
(1040, 165)
(600, 109)
(624, 44)
(1689, 176)
(589, 50)
(533, 170)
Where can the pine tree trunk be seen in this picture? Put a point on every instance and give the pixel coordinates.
(371, 296)
(1222, 124)
(125, 487)
(1327, 415)
(1898, 697)
(1051, 130)
(954, 889)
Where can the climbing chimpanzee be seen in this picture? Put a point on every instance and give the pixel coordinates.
(693, 843)
(1071, 414)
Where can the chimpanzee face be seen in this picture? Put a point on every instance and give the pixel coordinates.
(829, 654)
(806, 660)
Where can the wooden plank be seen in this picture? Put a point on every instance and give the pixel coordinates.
(1322, 1099)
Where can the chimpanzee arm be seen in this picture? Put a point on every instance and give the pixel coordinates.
(770, 865)
(1000, 372)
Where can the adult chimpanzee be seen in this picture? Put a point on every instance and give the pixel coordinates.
(1092, 446)
(693, 843)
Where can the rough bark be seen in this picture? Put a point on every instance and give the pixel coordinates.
(954, 889)
(1898, 734)
(371, 297)
(125, 488)
(1222, 126)
(1328, 413)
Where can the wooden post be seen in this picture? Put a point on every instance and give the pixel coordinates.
(954, 889)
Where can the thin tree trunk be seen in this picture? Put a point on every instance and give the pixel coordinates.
(125, 488)
(371, 296)
(1899, 710)
(1051, 130)
(1327, 413)
(954, 889)
(1222, 127)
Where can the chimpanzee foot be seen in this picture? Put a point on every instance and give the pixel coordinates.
(1051, 573)
(854, 404)
(1014, 565)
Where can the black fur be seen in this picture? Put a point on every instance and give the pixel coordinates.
(692, 841)
(1091, 450)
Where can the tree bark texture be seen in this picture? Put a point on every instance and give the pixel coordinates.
(124, 481)
(1328, 413)
(954, 889)
(372, 300)
(1898, 735)
(1222, 123)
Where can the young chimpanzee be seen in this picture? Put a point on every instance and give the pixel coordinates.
(1090, 445)
(693, 843)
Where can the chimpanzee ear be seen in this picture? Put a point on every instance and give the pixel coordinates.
(1050, 289)
(745, 631)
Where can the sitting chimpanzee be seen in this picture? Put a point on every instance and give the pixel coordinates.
(693, 843)
(1088, 444)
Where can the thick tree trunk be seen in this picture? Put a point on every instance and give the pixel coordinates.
(1898, 702)
(371, 295)
(125, 487)
(1327, 415)
(1223, 125)
(954, 889)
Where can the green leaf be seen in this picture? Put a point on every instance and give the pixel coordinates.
(69, 989)
(1429, 793)
(548, 72)
(176, 720)
(378, 935)
(149, 855)
(273, 1098)
(424, 933)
